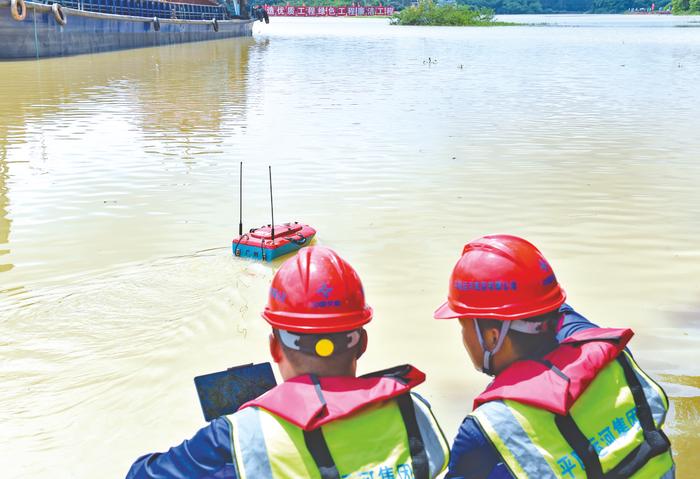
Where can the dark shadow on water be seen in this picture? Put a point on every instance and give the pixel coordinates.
(5, 222)
(178, 88)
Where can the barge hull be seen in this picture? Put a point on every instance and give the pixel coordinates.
(39, 35)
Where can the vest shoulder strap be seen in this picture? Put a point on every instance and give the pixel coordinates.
(318, 448)
(419, 456)
(655, 441)
(319, 451)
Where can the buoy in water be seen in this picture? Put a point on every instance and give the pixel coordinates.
(271, 241)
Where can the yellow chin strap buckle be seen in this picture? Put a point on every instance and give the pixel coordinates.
(324, 347)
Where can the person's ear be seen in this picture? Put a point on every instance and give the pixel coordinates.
(363, 343)
(275, 348)
(491, 336)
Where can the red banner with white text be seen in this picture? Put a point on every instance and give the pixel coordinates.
(332, 11)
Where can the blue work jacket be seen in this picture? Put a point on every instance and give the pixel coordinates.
(472, 456)
(206, 455)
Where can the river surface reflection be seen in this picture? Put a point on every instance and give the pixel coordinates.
(118, 185)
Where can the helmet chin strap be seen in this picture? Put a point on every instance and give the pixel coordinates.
(488, 354)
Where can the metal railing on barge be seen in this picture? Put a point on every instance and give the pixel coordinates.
(148, 8)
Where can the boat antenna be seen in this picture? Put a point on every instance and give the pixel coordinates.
(240, 200)
(272, 208)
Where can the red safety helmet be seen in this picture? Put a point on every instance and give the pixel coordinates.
(316, 292)
(501, 277)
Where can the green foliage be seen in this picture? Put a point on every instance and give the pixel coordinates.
(558, 6)
(613, 6)
(522, 6)
(428, 13)
(694, 6)
(680, 6)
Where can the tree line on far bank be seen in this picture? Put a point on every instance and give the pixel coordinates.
(685, 7)
(564, 6)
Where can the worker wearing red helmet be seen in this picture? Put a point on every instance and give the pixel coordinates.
(567, 399)
(323, 421)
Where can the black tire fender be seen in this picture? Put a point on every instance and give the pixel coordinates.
(59, 14)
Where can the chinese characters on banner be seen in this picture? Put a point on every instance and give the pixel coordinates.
(331, 11)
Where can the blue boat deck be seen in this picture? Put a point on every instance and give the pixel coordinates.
(150, 8)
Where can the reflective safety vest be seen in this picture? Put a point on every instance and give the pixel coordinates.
(340, 427)
(586, 410)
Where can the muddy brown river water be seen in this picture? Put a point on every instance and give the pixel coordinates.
(118, 185)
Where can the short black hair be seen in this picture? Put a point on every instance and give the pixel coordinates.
(328, 366)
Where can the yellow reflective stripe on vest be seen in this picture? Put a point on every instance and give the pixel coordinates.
(371, 442)
(255, 430)
(522, 456)
(251, 460)
(531, 444)
(433, 438)
(658, 402)
(670, 474)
